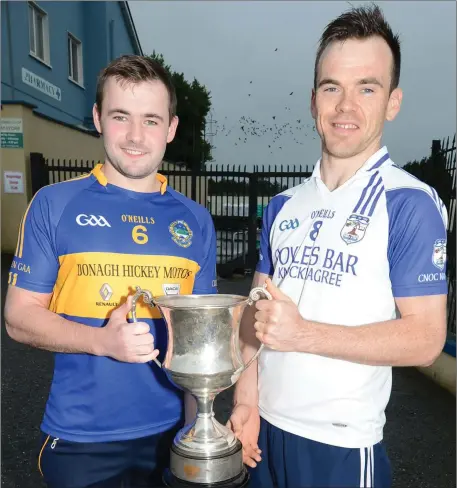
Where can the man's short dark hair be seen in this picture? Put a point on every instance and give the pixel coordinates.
(361, 23)
(136, 69)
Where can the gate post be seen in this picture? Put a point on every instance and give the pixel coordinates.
(252, 224)
(193, 185)
(38, 171)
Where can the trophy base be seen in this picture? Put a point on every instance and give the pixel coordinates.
(240, 481)
(221, 471)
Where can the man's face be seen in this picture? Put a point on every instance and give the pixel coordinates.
(351, 100)
(135, 126)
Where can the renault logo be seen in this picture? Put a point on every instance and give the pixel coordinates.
(106, 292)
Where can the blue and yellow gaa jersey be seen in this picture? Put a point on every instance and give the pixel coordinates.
(90, 244)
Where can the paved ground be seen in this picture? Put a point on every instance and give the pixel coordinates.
(420, 432)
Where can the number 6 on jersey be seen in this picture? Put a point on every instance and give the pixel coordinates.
(139, 234)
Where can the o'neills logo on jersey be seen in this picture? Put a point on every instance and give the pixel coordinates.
(354, 229)
(137, 219)
(439, 253)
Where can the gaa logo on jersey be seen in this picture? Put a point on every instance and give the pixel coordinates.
(289, 224)
(181, 233)
(354, 229)
(439, 253)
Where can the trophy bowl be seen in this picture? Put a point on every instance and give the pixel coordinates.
(203, 357)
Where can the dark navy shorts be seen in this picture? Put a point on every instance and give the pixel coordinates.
(291, 461)
(135, 463)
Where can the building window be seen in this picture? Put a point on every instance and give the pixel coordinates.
(75, 59)
(38, 33)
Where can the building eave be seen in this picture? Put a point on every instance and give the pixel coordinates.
(125, 9)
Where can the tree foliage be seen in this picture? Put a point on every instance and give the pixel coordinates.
(194, 103)
(432, 170)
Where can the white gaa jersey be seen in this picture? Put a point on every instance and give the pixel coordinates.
(343, 256)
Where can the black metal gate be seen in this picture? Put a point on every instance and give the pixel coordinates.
(49, 171)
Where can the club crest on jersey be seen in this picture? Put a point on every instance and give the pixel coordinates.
(439, 253)
(181, 233)
(354, 229)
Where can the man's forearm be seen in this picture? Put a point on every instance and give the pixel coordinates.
(246, 390)
(41, 328)
(400, 342)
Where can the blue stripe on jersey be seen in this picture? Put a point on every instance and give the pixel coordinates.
(373, 191)
(364, 192)
(375, 201)
(379, 163)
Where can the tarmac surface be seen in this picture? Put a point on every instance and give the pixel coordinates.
(420, 434)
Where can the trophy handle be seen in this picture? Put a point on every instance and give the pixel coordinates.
(148, 299)
(254, 295)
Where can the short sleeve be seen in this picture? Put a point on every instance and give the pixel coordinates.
(265, 263)
(417, 243)
(35, 264)
(206, 278)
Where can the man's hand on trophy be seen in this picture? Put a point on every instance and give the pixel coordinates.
(279, 324)
(245, 424)
(131, 343)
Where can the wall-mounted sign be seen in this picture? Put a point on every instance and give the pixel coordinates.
(41, 84)
(13, 182)
(12, 134)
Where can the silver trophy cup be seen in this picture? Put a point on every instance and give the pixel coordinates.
(203, 357)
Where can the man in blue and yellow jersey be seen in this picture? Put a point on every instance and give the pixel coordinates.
(83, 247)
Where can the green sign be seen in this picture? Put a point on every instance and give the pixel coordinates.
(12, 140)
(12, 134)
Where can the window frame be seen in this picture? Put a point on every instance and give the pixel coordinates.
(72, 39)
(35, 11)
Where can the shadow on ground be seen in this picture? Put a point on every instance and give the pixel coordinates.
(420, 431)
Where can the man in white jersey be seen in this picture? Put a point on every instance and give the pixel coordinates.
(357, 260)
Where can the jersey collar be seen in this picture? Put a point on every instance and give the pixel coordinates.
(373, 163)
(101, 178)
